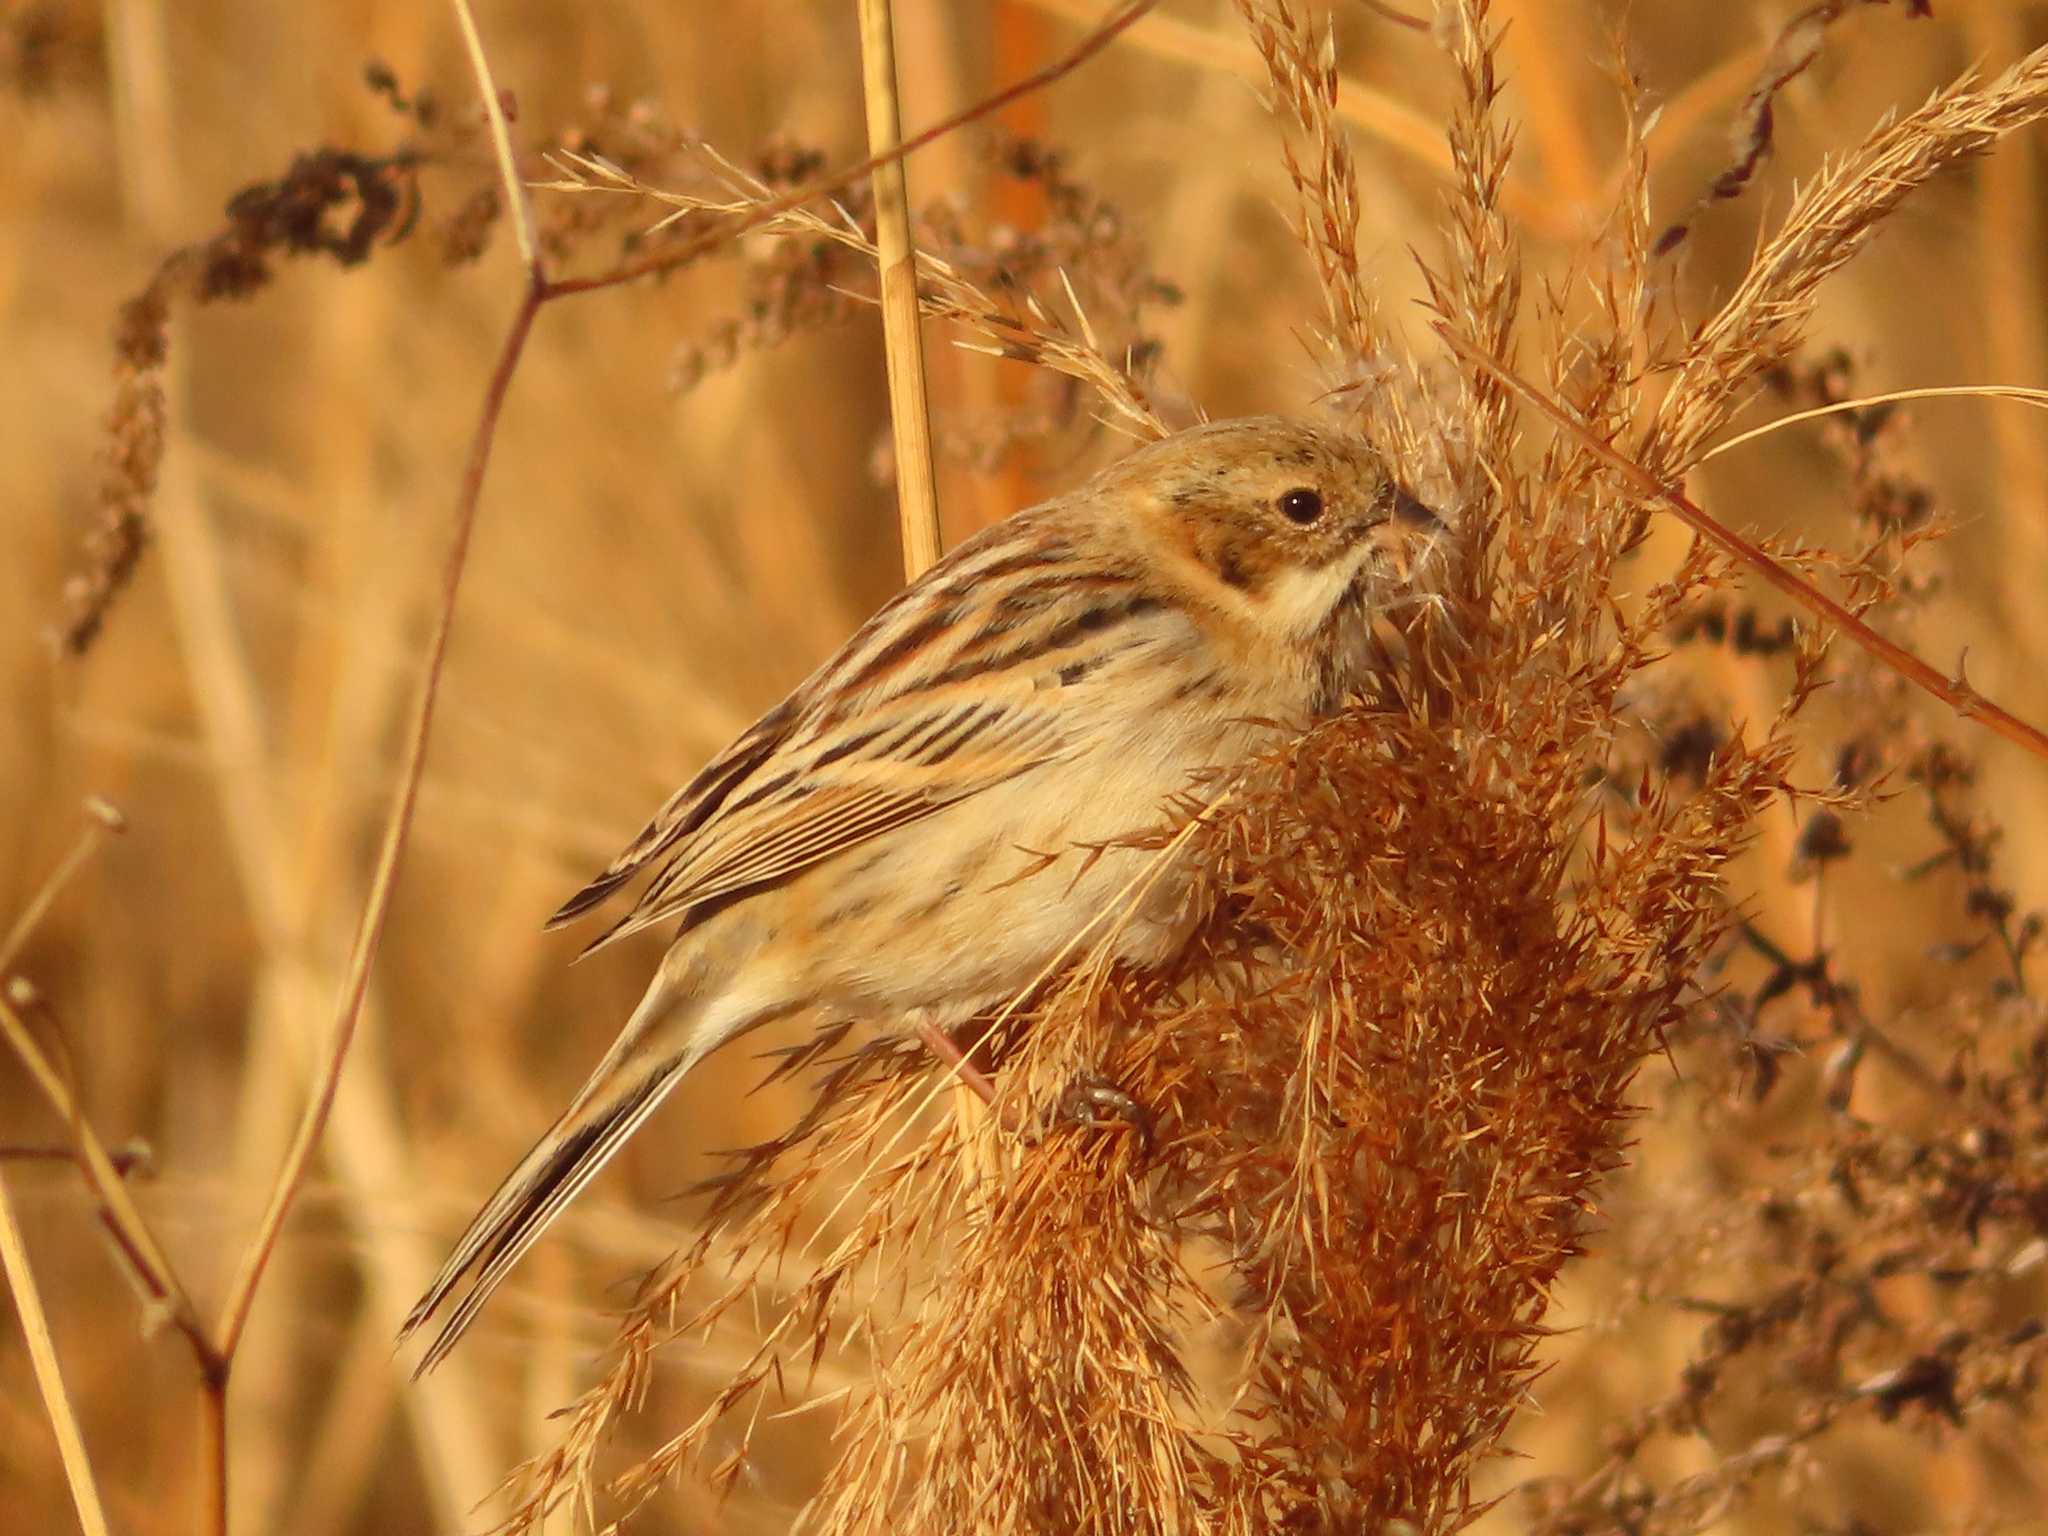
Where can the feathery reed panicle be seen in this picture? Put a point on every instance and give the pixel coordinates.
(1477, 288)
(1301, 85)
(1026, 330)
(1830, 220)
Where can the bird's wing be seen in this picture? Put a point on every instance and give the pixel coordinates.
(687, 809)
(957, 685)
(757, 822)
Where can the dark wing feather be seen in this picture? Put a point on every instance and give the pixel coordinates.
(687, 809)
(812, 810)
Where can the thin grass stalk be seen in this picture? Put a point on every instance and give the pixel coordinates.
(117, 1209)
(42, 1354)
(102, 819)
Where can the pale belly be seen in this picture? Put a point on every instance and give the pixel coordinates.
(970, 908)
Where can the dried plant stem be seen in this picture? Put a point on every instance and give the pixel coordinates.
(118, 1212)
(145, 1257)
(103, 819)
(917, 492)
(917, 498)
(1955, 692)
(42, 1354)
(298, 1157)
(242, 1293)
(501, 141)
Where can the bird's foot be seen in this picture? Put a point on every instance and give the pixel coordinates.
(1093, 1100)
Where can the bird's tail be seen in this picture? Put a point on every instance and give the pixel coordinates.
(683, 1018)
(611, 1107)
(686, 1014)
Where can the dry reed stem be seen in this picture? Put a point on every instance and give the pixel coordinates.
(49, 1373)
(235, 730)
(155, 1277)
(917, 489)
(102, 819)
(118, 1213)
(412, 763)
(917, 492)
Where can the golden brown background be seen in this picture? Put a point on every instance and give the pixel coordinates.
(652, 569)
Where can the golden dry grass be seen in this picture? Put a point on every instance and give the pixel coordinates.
(1811, 1296)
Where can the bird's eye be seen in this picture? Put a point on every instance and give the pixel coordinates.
(1301, 506)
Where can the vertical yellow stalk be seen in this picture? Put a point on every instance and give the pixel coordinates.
(917, 493)
(917, 498)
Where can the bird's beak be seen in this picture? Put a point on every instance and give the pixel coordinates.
(1406, 535)
(1413, 513)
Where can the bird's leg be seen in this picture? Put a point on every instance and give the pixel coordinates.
(1090, 1100)
(942, 1045)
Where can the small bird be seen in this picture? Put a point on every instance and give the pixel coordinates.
(924, 827)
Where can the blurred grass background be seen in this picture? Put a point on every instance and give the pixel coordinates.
(652, 570)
